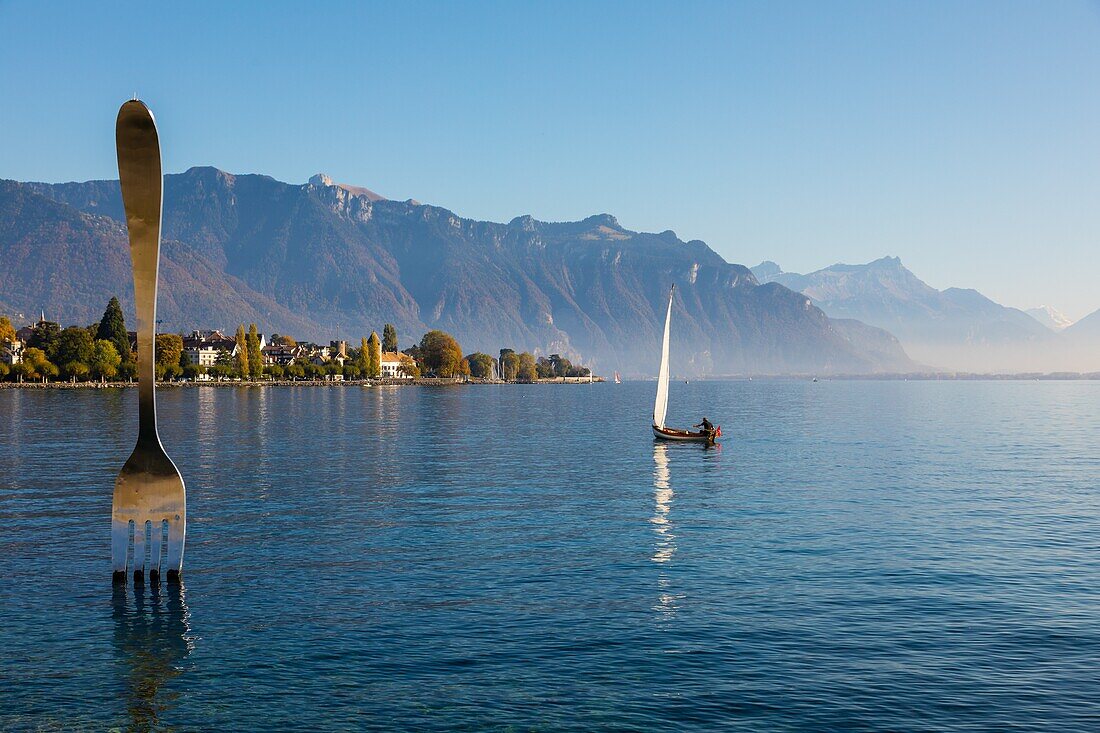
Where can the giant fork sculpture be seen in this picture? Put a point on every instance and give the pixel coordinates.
(149, 494)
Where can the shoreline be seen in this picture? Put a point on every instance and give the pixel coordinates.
(442, 382)
(417, 382)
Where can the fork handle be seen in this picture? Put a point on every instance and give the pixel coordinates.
(139, 172)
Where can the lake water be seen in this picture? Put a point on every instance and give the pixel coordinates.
(902, 556)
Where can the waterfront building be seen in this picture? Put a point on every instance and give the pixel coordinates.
(11, 352)
(392, 366)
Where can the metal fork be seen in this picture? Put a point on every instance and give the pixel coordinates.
(149, 494)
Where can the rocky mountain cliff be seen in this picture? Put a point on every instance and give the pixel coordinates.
(325, 259)
(958, 329)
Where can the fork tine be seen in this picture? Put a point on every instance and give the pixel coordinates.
(156, 533)
(120, 541)
(139, 550)
(177, 529)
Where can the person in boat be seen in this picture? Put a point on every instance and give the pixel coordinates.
(705, 425)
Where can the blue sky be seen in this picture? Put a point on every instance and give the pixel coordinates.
(962, 137)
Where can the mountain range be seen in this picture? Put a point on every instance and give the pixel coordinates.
(323, 260)
(955, 329)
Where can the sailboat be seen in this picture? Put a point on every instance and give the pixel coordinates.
(618, 379)
(660, 407)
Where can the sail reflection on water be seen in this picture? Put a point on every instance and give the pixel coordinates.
(152, 639)
(665, 546)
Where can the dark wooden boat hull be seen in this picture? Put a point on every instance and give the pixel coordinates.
(685, 436)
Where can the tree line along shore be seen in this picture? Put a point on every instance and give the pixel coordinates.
(104, 353)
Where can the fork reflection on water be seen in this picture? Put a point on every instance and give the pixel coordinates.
(152, 639)
(855, 556)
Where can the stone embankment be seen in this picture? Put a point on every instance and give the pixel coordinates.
(420, 381)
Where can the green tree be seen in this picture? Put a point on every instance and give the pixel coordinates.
(112, 327)
(74, 346)
(441, 353)
(5, 370)
(562, 366)
(242, 353)
(7, 331)
(275, 371)
(75, 370)
(45, 337)
(128, 368)
(374, 361)
(222, 370)
(295, 371)
(169, 349)
(105, 360)
(544, 368)
(526, 371)
(481, 365)
(389, 338)
(255, 356)
(352, 371)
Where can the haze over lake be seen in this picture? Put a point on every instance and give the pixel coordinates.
(854, 556)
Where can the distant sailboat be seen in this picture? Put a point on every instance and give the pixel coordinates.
(660, 407)
(618, 379)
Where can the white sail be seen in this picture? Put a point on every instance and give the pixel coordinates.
(660, 407)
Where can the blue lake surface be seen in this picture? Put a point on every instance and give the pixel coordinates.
(856, 556)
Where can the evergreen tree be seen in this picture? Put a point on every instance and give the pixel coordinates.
(374, 360)
(112, 327)
(389, 338)
(255, 356)
(242, 353)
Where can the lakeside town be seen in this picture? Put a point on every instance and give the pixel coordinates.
(43, 353)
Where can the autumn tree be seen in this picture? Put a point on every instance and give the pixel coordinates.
(362, 359)
(242, 352)
(281, 340)
(169, 351)
(35, 365)
(112, 327)
(374, 346)
(255, 356)
(441, 353)
(105, 359)
(389, 338)
(7, 331)
(526, 371)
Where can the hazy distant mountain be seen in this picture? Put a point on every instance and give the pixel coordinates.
(1082, 342)
(325, 259)
(1050, 317)
(1088, 328)
(954, 328)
